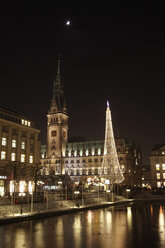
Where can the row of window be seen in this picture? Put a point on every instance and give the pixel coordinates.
(90, 171)
(25, 122)
(158, 176)
(160, 184)
(13, 157)
(13, 143)
(84, 161)
(158, 167)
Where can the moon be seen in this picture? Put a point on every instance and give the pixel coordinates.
(67, 23)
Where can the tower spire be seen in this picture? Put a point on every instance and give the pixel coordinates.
(58, 103)
(110, 165)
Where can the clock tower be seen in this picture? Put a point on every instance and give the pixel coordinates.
(57, 126)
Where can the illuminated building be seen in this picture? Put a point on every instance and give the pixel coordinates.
(19, 150)
(157, 163)
(79, 158)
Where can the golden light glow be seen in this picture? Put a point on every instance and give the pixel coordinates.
(23, 145)
(4, 141)
(30, 159)
(25, 122)
(22, 185)
(22, 157)
(3, 155)
(11, 187)
(13, 156)
(30, 187)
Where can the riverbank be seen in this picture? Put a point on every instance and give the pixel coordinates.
(70, 208)
(56, 212)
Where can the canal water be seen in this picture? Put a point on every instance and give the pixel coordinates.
(130, 226)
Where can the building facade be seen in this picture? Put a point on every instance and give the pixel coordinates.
(19, 151)
(157, 163)
(81, 159)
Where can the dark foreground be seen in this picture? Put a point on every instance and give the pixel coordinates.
(128, 226)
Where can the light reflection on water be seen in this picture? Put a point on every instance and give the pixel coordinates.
(140, 225)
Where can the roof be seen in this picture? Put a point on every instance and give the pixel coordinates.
(157, 147)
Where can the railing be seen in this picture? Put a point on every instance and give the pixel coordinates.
(54, 202)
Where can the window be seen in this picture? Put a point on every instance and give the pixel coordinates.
(23, 145)
(72, 161)
(163, 175)
(31, 147)
(78, 161)
(157, 175)
(12, 156)
(14, 143)
(157, 166)
(158, 184)
(4, 141)
(22, 157)
(14, 131)
(3, 155)
(163, 166)
(24, 134)
(30, 159)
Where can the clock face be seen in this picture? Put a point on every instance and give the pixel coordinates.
(53, 133)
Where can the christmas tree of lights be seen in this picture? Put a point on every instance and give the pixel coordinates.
(110, 166)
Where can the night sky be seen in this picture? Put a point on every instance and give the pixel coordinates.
(109, 52)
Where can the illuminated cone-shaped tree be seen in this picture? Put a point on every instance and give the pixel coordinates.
(110, 165)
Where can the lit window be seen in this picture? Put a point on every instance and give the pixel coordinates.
(4, 141)
(22, 157)
(122, 168)
(105, 170)
(163, 166)
(158, 175)
(3, 155)
(22, 185)
(163, 153)
(23, 121)
(23, 145)
(29, 123)
(163, 175)
(14, 143)
(158, 184)
(12, 156)
(30, 159)
(157, 166)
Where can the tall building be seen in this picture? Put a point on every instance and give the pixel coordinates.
(79, 158)
(19, 150)
(157, 163)
(57, 127)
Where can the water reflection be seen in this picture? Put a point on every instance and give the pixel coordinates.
(134, 226)
(162, 225)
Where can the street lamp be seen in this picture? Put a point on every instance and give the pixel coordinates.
(76, 193)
